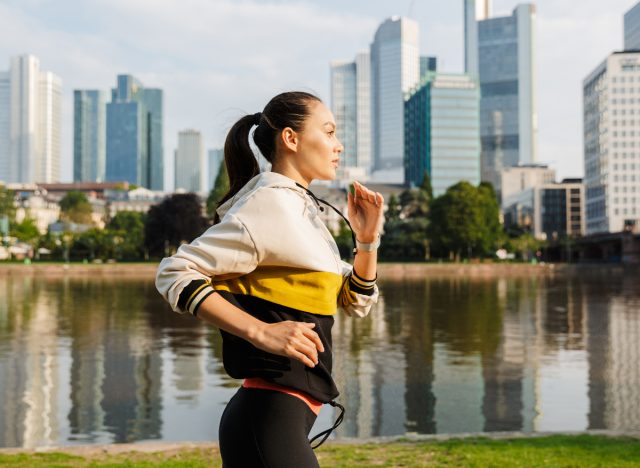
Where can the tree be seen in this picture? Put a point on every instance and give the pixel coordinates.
(172, 222)
(425, 186)
(26, 231)
(7, 203)
(75, 208)
(415, 203)
(126, 230)
(393, 209)
(456, 221)
(219, 190)
(492, 229)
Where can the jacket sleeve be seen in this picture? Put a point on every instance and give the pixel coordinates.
(184, 279)
(357, 295)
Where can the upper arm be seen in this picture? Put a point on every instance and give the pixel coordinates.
(224, 248)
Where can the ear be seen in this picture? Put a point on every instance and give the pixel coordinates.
(289, 138)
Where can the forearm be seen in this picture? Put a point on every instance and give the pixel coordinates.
(219, 312)
(365, 264)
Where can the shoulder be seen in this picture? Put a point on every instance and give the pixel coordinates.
(267, 202)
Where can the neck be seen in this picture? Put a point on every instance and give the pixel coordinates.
(291, 172)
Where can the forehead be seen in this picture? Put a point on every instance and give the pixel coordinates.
(320, 114)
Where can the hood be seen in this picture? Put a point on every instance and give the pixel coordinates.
(264, 179)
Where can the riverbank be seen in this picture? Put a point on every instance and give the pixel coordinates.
(515, 450)
(385, 270)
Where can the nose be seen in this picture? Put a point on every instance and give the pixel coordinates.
(340, 147)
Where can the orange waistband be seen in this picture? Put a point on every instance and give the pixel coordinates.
(256, 382)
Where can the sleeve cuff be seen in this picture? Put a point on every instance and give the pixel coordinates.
(193, 295)
(361, 286)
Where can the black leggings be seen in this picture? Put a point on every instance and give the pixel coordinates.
(266, 428)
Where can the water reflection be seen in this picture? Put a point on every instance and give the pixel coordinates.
(100, 360)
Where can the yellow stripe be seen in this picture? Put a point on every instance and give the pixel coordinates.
(195, 293)
(310, 291)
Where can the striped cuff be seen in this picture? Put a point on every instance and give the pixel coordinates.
(360, 285)
(193, 295)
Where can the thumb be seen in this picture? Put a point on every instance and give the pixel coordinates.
(309, 325)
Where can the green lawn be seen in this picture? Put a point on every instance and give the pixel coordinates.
(553, 451)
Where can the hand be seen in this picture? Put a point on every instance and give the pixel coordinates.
(365, 210)
(295, 340)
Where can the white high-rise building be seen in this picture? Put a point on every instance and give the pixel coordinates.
(47, 168)
(611, 109)
(190, 170)
(632, 28)
(5, 126)
(474, 11)
(30, 122)
(351, 106)
(395, 69)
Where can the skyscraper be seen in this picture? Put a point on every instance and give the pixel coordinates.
(30, 122)
(474, 11)
(190, 171)
(215, 157)
(442, 135)
(632, 28)
(351, 106)
(134, 134)
(508, 114)
(611, 103)
(89, 135)
(5, 127)
(395, 69)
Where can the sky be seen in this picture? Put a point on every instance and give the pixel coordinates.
(219, 59)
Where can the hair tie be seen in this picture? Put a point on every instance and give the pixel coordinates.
(256, 118)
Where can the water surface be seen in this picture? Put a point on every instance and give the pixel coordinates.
(102, 360)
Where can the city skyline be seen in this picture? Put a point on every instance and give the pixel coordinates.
(210, 93)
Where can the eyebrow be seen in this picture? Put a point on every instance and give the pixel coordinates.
(330, 123)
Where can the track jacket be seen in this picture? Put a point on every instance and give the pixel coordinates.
(272, 256)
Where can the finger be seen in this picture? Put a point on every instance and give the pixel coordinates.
(313, 336)
(366, 193)
(302, 358)
(379, 199)
(307, 347)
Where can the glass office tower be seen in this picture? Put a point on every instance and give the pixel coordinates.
(508, 113)
(442, 134)
(632, 28)
(89, 135)
(135, 151)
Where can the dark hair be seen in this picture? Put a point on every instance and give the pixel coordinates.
(288, 109)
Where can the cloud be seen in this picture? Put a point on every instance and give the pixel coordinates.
(213, 59)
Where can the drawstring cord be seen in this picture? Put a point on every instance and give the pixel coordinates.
(321, 208)
(325, 434)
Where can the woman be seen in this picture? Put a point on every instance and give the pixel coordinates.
(268, 274)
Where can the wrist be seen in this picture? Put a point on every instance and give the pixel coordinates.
(254, 331)
(367, 244)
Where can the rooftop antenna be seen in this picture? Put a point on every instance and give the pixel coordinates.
(411, 7)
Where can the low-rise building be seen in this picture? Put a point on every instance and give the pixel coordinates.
(549, 211)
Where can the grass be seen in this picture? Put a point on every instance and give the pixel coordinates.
(551, 451)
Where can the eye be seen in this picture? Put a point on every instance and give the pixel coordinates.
(331, 132)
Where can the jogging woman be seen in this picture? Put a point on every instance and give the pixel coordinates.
(269, 274)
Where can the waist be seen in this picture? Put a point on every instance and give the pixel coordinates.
(256, 382)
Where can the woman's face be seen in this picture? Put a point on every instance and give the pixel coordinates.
(319, 149)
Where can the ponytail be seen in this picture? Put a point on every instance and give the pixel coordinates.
(239, 159)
